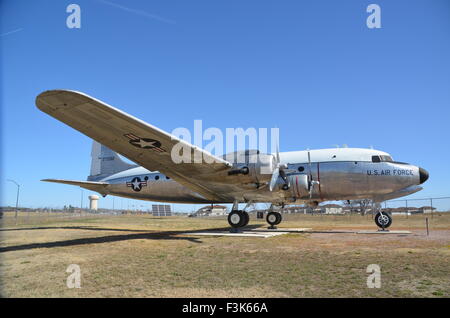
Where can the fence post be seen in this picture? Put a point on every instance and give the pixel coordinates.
(431, 203)
(428, 232)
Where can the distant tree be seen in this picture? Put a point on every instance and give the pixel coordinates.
(359, 206)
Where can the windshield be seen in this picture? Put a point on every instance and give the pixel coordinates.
(382, 158)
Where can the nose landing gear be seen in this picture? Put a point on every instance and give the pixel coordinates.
(383, 220)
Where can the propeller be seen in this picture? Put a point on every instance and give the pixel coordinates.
(278, 172)
(311, 181)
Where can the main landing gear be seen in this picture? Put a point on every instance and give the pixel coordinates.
(273, 218)
(238, 218)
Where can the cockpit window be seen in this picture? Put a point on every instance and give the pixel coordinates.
(382, 158)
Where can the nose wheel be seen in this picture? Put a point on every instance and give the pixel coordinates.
(273, 218)
(383, 220)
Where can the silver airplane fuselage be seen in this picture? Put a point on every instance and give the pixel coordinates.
(338, 174)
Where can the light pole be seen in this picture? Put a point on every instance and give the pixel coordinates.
(81, 204)
(17, 198)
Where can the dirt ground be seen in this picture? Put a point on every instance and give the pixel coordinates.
(145, 256)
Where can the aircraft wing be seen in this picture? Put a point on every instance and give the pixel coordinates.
(135, 139)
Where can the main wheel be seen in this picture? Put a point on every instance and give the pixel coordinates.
(273, 218)
(236, 219)
(279, 218)
(383, 220)
(246, 218)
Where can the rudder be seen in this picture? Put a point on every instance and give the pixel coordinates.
(105, 162)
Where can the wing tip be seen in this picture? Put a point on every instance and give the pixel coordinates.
(54, 99)
(48, 180)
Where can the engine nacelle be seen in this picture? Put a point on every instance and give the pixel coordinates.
(252, 166)
(299, 185)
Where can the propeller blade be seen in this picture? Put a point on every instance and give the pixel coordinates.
(277, 149)
(309, 164)
(310, 179)
(274, 179)
(311, 188)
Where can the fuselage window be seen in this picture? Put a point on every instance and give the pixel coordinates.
(301, 168)
(156, 177)
(376, 159)
(167, 177)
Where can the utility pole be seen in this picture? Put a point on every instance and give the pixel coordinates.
(17, 197)
(81, 204)
(406, 203)
(431, 202)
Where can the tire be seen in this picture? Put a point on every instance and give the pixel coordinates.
(383, 220)
(273, 218)
(246, 218)
(279, 218)
(236, 219)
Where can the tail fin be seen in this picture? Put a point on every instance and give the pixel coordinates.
(105, 162)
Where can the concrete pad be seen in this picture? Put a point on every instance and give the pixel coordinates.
(302, 229)
(238, 234)
(329, 231)
(383, 232)
(339, 231)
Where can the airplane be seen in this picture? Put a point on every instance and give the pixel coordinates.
(297, 177)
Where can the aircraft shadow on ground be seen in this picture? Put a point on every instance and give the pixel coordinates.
(165, 235)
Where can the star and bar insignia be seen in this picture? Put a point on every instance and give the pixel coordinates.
(144, 143)
(136, 184)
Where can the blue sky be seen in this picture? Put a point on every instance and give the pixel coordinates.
(311, 68)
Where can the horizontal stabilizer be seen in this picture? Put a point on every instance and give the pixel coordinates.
(99, 187)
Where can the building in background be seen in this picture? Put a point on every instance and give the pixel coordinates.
(211, 210)
(331, 209)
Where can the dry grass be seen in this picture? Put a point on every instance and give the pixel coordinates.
(143, 256)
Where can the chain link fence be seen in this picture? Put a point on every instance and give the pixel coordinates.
(415, 206)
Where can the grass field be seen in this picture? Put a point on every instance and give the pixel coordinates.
(145, 256)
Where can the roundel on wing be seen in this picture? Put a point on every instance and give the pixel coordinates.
(144, 143)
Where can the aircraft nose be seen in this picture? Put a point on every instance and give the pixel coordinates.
(423, 174)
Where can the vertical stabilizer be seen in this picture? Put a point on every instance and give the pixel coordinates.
(105, 162)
